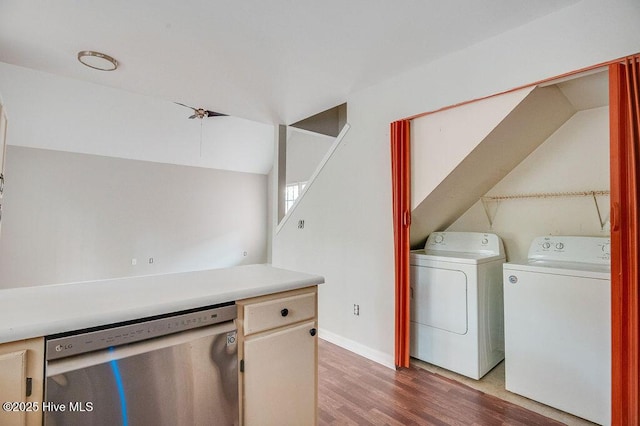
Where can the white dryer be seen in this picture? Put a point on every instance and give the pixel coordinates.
(558, 325)
(456, 302)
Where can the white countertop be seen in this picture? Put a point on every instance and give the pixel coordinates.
(39, 311)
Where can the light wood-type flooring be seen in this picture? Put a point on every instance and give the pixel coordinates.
(353, 390)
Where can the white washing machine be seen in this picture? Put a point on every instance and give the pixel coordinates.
(557, 313)
(456, 302)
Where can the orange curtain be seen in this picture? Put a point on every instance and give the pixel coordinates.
(624, 93)
(401, 181)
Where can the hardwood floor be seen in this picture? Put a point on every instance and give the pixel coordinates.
(353, 390)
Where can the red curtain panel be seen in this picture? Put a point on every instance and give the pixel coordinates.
(624, 100)
(401, 181)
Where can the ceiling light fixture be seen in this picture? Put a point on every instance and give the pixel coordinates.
(97, 60)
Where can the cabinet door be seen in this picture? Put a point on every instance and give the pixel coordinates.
(18, 361)
(280, 377)
(13, 376)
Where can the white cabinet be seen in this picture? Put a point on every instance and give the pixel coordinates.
(21, 382)
(278, 355)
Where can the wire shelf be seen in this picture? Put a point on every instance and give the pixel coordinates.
(487, 200)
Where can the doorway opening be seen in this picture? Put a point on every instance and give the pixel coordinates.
(465, 211)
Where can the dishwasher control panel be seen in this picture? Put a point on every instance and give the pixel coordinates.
(116, 335)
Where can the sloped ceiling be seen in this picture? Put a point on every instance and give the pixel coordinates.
(518, 131)
(275, 62)
(261, 62)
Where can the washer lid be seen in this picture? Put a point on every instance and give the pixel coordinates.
(576, 269)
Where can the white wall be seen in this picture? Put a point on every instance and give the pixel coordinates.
(536, 117)
(305, 151)
(348, 235)
(574, 159)
(75, 217)
(52, 112)
(439, 142)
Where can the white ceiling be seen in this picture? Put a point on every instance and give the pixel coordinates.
(274, 61)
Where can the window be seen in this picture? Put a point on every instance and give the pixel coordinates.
(293, 190)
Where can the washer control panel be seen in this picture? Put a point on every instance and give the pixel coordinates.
(571, 249)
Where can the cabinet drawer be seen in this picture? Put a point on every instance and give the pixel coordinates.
(270, 314)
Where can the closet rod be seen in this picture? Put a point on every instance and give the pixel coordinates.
(546, 195)
(488, 199)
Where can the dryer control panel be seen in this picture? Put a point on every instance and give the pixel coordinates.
(465, 242)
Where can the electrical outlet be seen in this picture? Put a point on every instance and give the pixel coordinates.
(134, 261)
(151, 260)
(244, 253)
(301, 224)
(356, 309)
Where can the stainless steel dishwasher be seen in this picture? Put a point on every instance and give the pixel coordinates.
(173, 370)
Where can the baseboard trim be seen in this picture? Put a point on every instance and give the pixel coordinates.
(358, 348)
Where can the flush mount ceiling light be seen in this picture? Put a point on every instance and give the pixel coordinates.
(97, 60)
